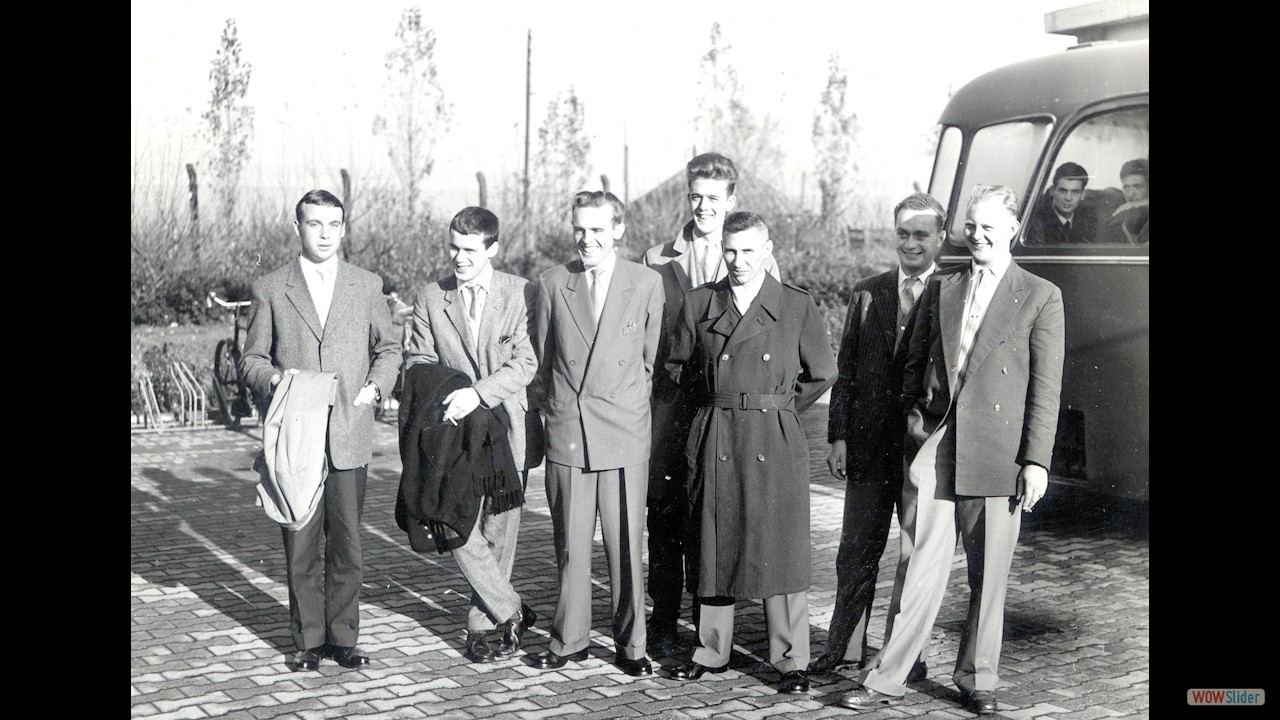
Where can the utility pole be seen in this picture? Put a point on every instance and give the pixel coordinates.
(626, 165)
(528, 94)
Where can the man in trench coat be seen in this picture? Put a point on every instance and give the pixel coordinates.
(753, 353)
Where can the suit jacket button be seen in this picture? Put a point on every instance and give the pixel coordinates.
(760, 457)
(622, 362)
(573, 362)
(766, 357)
(724, 357)
(1004, 371)
(724, 457)
(614, 394)
(997, 408)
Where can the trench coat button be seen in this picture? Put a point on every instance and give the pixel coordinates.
(997, 408)
(724, 457)
(1004, 371)
(760, 457)
(766, 357)
(622, 362)
(724, 357)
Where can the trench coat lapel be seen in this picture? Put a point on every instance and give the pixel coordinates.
(298, 294)
(762, 313)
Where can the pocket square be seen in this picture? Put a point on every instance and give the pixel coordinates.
(504, 339)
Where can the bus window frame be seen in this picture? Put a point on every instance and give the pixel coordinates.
(1044, 171)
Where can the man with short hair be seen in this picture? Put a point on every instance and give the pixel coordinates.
(596, 334)
(476, 320)
(1129, 222)
(322, 314)
(866, 426)
(692, 259)
(752, 353)
(982, 384)
(1059, 219)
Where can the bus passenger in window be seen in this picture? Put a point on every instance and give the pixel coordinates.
(1055, 220)
(1128, 224)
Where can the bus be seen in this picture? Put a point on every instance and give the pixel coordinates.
(1088, 105)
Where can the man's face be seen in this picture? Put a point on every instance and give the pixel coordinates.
(745, 254)
(710, 201)
(321, 230)
(988, 231)
(1066, 196)
(469, 255)
(919, 239)
(594, 233)
(1135, 187)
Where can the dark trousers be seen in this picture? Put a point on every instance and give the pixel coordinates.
(667, 522)
(325, 565)
(868, 512)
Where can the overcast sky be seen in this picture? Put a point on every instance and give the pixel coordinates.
(318, 79)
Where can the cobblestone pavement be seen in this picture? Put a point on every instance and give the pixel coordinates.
(209, 612)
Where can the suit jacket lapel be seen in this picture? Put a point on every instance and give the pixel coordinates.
(298, 294)
(577, 298)
(616, 303)
(495, 309)
(763, 312)
(884, 306)
(344, 294)
(457, 314)
(1010, 295)
(951, 309)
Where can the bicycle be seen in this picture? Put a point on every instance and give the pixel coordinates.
(234, 399)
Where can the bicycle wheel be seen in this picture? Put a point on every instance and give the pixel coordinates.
(225, 381)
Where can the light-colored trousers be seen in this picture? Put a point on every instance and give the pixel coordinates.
(989, 526)
(786, 619)
(575, 495)
(486, 562)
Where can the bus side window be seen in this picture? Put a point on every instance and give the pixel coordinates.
(1098, 191)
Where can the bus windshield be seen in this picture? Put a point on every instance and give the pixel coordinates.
(1003, 154)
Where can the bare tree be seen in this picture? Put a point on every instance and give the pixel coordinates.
(417, 114)
(563, 163)
(229, 119)
(727, 124)
(835, 129)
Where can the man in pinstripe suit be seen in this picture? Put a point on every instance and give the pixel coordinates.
(866, 426)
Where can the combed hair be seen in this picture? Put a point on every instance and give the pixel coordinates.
(601, 198)
(712, 166)
(323, 198)
(476, 221)
(737, 222)
(921, 202)
(1071, 171)
(1136, 167)
(1003, 193)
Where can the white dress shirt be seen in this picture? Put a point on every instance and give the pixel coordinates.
(745, 293)
(601, 274)
(481, 283)
(321, 278)
(917, 287)
(975, 309)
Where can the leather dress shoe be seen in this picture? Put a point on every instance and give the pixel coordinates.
(348, 657)
(550, 661)
(864, 698)
(479, 649)
(982, 702)
(307, 660)
(794, 683)
(692, 670)
(640, 667)
(919, 671)
(514, 629)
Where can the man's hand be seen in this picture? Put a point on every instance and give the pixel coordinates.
(276, 377)
(367, 395)
(835, 461)
(1033, 481)
(459, 404)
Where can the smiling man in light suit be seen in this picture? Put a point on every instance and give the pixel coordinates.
(476, 319)
(596, 335)
(319, 313)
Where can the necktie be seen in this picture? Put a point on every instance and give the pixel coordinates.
(906, 300)
(597, 293)
(473, 304)
(709, 263)
(976, 310)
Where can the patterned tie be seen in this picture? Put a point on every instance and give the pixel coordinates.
(473, 311)
(597, 293)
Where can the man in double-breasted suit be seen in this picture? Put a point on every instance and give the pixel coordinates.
(982, 383)
(752, 353)
(476, 319)
(596, 336)
(692, 259)
(319, 313)
(865, 426)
